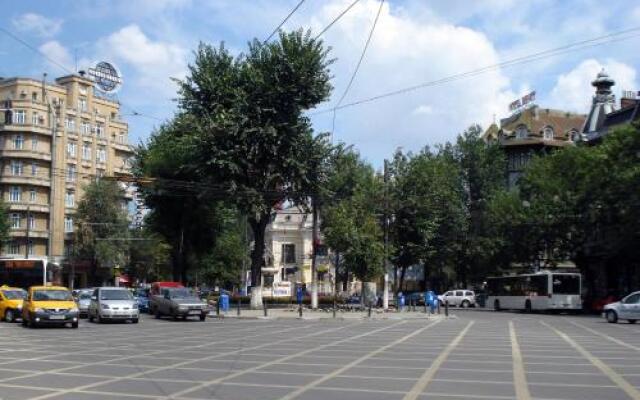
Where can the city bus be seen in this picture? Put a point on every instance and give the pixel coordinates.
(545, 290)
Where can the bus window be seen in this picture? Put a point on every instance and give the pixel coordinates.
(566, 284)
(539, 285)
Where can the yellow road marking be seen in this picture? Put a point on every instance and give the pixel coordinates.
(612, 339)
(365, 357)
(519, 375)
(622, 383)
(426, 378)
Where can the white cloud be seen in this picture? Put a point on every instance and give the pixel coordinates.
(405, 52)
(573, 90)
(58, 53)
(153, 62)
(37, 24)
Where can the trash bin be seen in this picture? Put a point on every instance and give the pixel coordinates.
(400, 301)
(224, 302)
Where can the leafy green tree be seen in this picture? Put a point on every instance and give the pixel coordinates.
(149, 256)
(4, 222)
(101, 229)
(252, 137)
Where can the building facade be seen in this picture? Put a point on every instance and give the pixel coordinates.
(55, 137)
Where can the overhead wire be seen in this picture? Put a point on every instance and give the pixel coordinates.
(284, 21)
(336, 19)
(357, 68)
(575, 46)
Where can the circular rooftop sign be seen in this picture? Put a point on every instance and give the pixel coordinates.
(106, 77)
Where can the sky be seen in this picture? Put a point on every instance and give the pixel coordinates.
(415, 41)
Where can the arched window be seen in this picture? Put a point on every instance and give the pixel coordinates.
(547, 133)
(522, 132)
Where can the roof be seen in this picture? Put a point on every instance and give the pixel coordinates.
(536, 119)
(48, 288)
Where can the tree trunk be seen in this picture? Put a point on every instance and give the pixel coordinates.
(258, 226)
(403, 270)
(314, 266)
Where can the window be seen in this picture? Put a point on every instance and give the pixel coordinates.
(70, 124)
(34, 96)
(15, 194)
(548, 133)
(16, 168)
(31, 248)
(101, 155)
(82, 104)
(566, 284)
(19, 117)
(68, 224)
(289, 253)
(35, 118)
(15, 220)
(18, 142)
(121, 138)
(13, 248)
(85, 128)
(633, 299)
(71, 149)
(99, 130)
(34, 143)
(33, 195)
(70, 199)
(31, 221)
(522, 132)
(459, 293)
(71, 173)
(86, 152)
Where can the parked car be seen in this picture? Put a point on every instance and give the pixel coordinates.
(113, 303)
(83, 298)
(155, 293)
(628, 308)
(416, 298)
(142, 299)
(458, 298)
(179, 303)
(11, 300)
(49, 305)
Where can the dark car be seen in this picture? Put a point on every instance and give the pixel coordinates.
(143, 301)
(416, 298)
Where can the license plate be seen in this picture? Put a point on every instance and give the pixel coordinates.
(194, 312)
(56, 317)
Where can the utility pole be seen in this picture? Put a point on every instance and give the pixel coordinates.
(314, 240)
(26, 250)
(385, 294)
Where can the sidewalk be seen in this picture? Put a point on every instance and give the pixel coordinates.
(328, 314)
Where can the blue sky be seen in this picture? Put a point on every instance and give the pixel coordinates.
(415, 41)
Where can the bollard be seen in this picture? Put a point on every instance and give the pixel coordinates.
(264, 307)
(369, 310)
(426, 307)
(334, 306)
(300, 310)
(446, 308)
(218, 308)
(239, 301)
(438, 307)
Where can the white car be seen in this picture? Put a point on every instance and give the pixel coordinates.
(627, 308)
(458, 298)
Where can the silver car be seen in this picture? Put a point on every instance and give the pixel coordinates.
(627, 308)
(83, 298)
(113, 303)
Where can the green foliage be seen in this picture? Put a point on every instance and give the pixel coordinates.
(101, 227)
(149, 256)
(4, 222)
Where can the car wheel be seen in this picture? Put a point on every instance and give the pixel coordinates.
(9, 316)
(74, 325)
(465, 304)
(90, 317)
(527, 306)
(31, 324)
(612, 317)
(99, 318)
(204, 317)
(157, 314)
(496, 305)
(135, 320)
(632, 321)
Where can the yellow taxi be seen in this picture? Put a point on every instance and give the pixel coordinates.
(11, 302)
(49, 305)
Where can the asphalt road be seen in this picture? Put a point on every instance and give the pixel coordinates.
(478, 355)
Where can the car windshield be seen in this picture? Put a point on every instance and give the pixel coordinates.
(84, 296)
(181, 293)
(52, 295)
(115, 295)
(566, 284)
(15, 294)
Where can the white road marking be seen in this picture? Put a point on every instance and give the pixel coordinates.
(345, 367)
(622, 383)
(426, 378)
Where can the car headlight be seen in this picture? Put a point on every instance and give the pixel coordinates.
(135, 306)
(183, 308)
(73, 309)
(104, 306)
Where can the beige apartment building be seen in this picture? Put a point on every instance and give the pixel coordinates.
(55, 137)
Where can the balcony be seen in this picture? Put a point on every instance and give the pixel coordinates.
(33, 233)
(32, 207)
(41, 129)
(125, 147)
(36, 155)
(25, 180)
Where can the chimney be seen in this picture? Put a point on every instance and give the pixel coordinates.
(629, 98)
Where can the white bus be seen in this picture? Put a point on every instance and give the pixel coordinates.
(540, 291)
